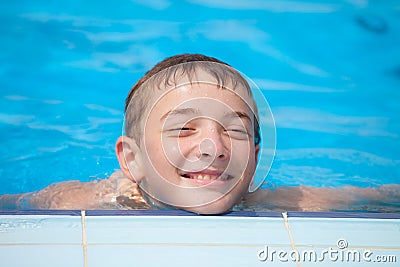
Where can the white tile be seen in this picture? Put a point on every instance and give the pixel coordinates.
(326, 232)
(182, 241)
(174, 255)
(188, 240)
(186, 230)
(375, 237)
(40, 229)
(41, 256)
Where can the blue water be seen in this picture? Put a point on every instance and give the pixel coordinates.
(330, 71)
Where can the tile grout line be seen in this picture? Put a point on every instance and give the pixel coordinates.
(84, 241)
(286, 221)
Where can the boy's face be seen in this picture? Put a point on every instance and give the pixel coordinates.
(197, 152)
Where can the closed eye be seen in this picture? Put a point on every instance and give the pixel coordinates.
(186, 131)
(237, 130)
(180, 131)
(238, 133)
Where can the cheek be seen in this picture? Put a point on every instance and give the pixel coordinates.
(155, 161)
(173, 151)
(154, 144)
(243, 154)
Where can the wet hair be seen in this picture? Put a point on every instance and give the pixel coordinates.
(168, 73)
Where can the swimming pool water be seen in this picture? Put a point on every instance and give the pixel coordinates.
(330, 71)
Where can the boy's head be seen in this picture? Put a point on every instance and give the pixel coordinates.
(192, 134)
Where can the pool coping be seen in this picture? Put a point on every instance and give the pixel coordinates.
(273, 214)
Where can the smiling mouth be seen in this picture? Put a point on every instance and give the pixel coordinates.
(206, 176)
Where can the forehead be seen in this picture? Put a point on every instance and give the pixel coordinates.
(204, 99)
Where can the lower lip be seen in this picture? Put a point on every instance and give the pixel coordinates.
(206, 182)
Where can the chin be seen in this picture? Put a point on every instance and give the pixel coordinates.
(211, 208)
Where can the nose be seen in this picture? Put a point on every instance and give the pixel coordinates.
(213, 147)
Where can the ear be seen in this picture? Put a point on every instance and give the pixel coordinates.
(129, 158)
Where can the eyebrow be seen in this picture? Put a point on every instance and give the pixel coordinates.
(193, 111)
(239, 114)
(181, 111)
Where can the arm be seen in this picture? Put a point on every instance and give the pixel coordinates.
(380, 199)
(65, 195)
(11, 202)
(72, 195)
(307, 198)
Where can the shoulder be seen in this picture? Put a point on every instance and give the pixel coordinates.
(121, 192)
(82, 195)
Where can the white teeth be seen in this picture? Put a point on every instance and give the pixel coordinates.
(205, 177)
